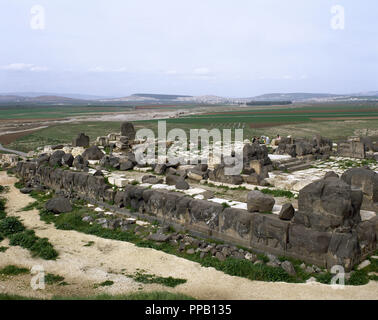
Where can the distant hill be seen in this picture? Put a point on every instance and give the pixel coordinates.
(294, 96)
(170, 99)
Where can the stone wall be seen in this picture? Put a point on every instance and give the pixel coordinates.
(351, 149)
(322, 243)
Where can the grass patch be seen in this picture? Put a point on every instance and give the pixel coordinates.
(3, 249)
(13, 271)
(30, 206)
(19, 185)
(153, 295)
(10, 225)
(279, 193)
(89, 244)
(53, 279)
(145, 278)
(106, 283)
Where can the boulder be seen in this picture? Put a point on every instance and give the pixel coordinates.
(126, 165)
(68, 159)
(344, 249)
(172, 180)
(364, 179)
(43, 159)
(78, 162)
(182, 185)
(110, 162)
(93, 153)
(287, 212)
(328, 204)
(218, 174)
(127, 130)
(58, 205)
(331, 174)
(160, 169)
(159, 237)
(98, 173)
(288, 267)
(56, 158)
(81, 141)
(259, 202)
(152, 179)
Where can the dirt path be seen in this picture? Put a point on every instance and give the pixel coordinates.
(83, 266)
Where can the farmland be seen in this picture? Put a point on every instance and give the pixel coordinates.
(336, 121)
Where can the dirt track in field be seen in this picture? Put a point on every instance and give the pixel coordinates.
(83, 266)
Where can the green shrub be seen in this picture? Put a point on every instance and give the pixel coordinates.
(13, 271)
(25, 239)
(150, 278)
(278, 193)
(10, 225)
(358, 278)
(52, 278)
(19, 185)
(44, 249)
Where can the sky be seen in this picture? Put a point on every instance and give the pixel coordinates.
(238, 48)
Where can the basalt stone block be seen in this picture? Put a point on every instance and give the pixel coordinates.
(151, 179)
(160, 169)
(93, 153)
(172, 180)
(110, 162)
(81, 141)
(287, 212)
(364, 179)
(156, 203)
(128, 130)
(58, 205)
(205, 212)
(367, 236)
(56, 158)
(118, 198)
(269, 230)
(236, 222)
(182, 185)
(171, 201)
(259, 202)
(328, 204)
(219, 174)
(43, 159)
(344, 249)
(307, 241)
(68, 159)
(126, 165)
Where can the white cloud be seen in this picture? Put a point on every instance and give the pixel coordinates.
(171, 72)
(102, 69)
(23, 67)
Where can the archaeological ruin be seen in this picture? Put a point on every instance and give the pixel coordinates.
(335, 222)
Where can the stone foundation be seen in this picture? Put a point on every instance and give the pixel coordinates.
(260, 232)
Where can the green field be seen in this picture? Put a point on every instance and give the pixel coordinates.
(54, 112)
(335, 121)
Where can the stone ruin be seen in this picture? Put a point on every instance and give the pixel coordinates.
(317, 148)
(359, 147)
(327, 229)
